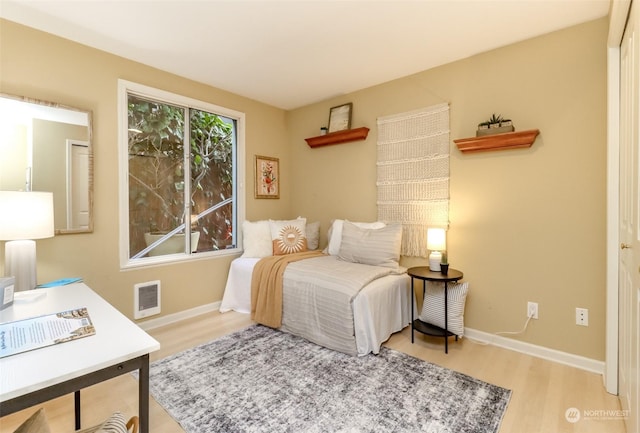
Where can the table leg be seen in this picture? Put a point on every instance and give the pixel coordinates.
(446, 320)
(412, 294)
(143, 395)
(76, 404)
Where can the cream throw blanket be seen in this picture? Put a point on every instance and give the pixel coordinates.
(266, 287)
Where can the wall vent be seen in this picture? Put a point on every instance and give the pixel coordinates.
(146, 299)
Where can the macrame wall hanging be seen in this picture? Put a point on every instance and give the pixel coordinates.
(413, 173)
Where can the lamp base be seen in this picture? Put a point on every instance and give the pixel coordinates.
(20, 262)
(434, 261)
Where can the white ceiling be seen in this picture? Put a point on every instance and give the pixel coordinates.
(292, 53)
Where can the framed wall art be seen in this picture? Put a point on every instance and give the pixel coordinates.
(267, 177)
(340, 117)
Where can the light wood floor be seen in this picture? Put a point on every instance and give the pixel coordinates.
(542, 390)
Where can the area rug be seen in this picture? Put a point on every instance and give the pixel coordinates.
(263, 380)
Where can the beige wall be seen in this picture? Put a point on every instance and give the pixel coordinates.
(38, 65)
(13, 156)
(526, 225)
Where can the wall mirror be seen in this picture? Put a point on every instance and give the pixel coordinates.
(46, 146)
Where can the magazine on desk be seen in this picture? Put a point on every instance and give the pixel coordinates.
(42, 331)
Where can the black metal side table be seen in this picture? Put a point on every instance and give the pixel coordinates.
(425, 274)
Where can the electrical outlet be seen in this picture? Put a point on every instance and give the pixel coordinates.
(532, 310)
(582, 317)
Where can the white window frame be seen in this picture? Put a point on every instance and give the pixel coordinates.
(124, 88)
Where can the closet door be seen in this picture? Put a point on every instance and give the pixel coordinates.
(629, 257)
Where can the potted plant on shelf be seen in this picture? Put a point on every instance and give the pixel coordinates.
(495, 125)
(444, 264)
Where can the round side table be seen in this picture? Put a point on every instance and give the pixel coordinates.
(425, 274)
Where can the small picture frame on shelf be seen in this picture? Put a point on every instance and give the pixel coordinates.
(340, 117)
(267, 177)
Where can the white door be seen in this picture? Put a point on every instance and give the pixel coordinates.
(629, 258)
(78, 185)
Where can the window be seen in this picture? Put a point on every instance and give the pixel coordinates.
(179, 171)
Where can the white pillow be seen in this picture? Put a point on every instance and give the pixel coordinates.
(256, 239)
(313, 235)
(288, 236)
(376, 247)
(433, 305)
(335, 234)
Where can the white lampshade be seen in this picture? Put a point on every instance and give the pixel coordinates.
(436, 242)
(436, 239)
(24, 216)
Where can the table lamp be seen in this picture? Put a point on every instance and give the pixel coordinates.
(24, 216)
(436, 242)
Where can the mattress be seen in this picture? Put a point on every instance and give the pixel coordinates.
(380, 309)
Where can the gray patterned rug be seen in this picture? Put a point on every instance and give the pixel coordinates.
(262, 380)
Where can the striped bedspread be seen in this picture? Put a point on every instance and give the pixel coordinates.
(317, 299)
(266, 287)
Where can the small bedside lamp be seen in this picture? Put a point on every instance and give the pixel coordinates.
(24, 216)
(436, 242)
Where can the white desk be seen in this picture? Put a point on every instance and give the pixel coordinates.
(119, 346)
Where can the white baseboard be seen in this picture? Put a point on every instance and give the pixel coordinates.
(576, 361)
(569, 359)
(176, 317)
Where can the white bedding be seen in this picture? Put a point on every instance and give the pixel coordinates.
(381, 308)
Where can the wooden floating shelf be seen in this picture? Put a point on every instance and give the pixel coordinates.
(508, 140)
(338, 137)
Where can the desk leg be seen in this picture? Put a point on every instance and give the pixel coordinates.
(76, 404)
(143, 395)
(446, 320)
(412, 295)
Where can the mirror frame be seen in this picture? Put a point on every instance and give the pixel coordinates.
(89, 114)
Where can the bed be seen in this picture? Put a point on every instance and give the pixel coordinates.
(376, 310)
